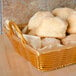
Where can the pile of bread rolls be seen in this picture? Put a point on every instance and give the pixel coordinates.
(50, 29)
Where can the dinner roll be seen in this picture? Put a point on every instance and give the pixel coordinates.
(50, 41)
(62, 12)
(69, 40)
(52, 27)
(51, 44)
(72, 23)
(36, 20)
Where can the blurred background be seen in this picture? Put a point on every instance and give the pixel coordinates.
(0, 17)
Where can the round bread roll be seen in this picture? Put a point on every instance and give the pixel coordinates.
(72, 23)
(50, 41)
(51, 44)
(52, 27)
(69, 40)
(36, 20)
(62, 12)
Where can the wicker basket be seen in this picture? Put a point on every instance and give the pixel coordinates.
(44, 61)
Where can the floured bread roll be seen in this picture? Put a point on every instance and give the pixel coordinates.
(51, 48)
(72, 23)
(50, 41)
(36, 20)
(33, 41)
(62, 12)
(52, 27)
(50, 44)
(71, 39)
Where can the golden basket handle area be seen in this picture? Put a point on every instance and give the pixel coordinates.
(15, 30)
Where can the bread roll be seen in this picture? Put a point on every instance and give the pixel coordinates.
(72, 23)
(52, 27)
(51, 44)
(36, 20)
(33, 41)
(62, 12)
(50, 41)
(69, 40)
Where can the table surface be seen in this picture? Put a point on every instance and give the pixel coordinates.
(12, 64)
